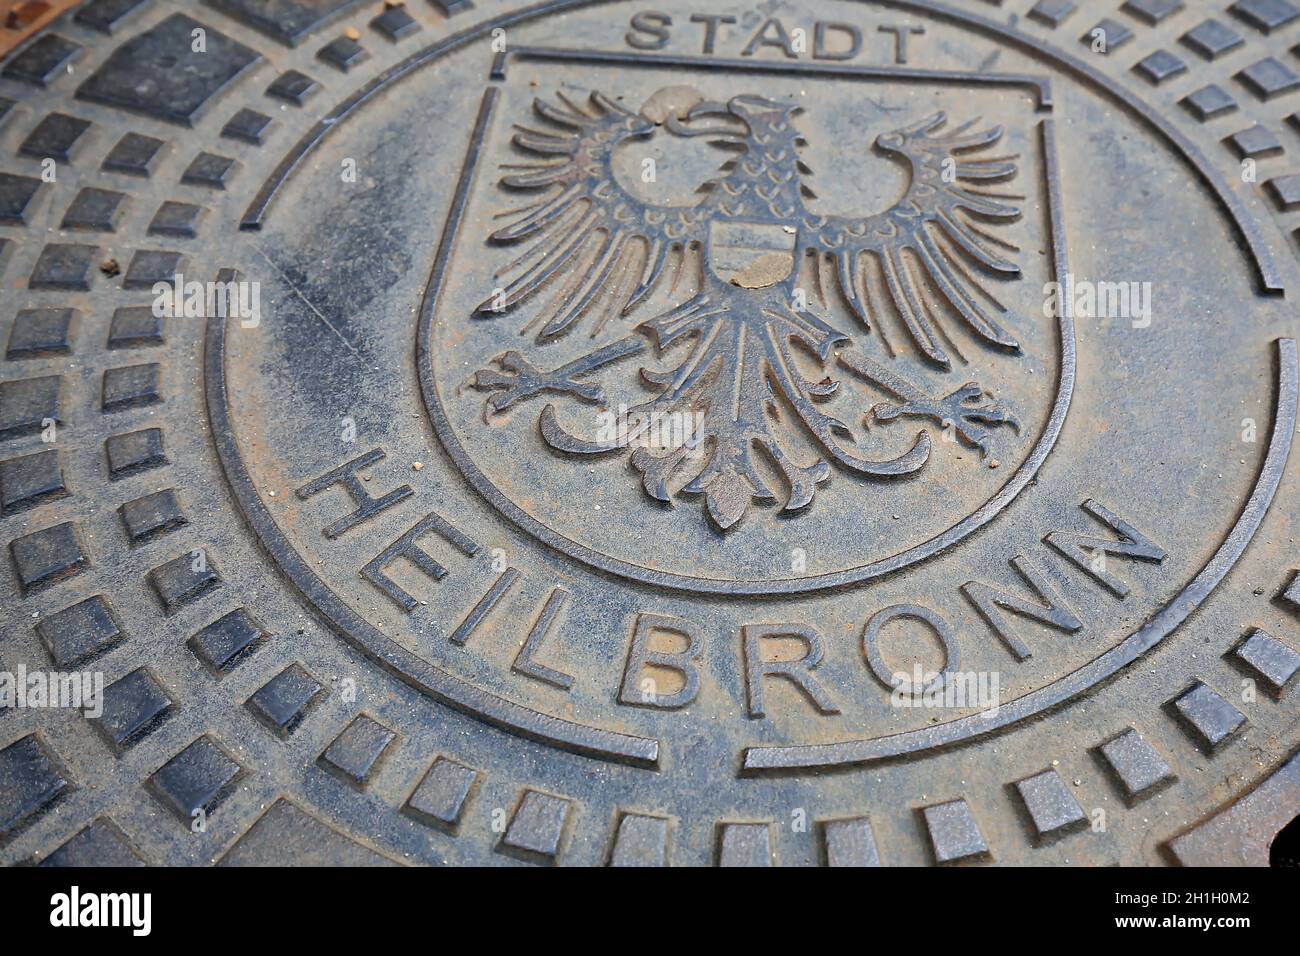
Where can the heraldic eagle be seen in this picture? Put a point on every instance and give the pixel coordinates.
(602, 254)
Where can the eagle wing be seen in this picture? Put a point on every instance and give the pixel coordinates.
(926, 235)
(605, 250)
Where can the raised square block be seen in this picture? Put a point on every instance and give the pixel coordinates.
(1209, 719)
(30, 781)
(80, 633)
(1139, 770)
(152, 516)
(197, 779)
(41, 332)
(1265, 656)
(131, 386)
(66, 266)
(536, 831)
(54, 137)
(133, 452)
(16, 194)
(183, 580)
(159, 73)
(954, 834)
(440, 798)
(43, 60)
(283, 702)
(287, 21)
(355, 753)
(1051, 806)
(27, 404)
(48, 556)
(30, 480)
(226, 642)
(95, 210)
(134, 707)
(1211, 39)
(850, 843)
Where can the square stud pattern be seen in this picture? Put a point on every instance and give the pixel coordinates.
(55, 137)
(48, 556)
(43, 60)
(1265, 15)
(395, 24)
(1051, 806)
(1284, 191)
(106, 15)
(1208, 102)
(1211, 39)
(198, 778)
(1209, 719)
(152, 516)
(1152, 12)
(1263, 655)
(744, 845)
(292, 87)
(1254, 142)
(100, 844)
(133, 452)
(41, 332)
(1159, 67)
(30, 781)
(134, 707)
(288, 21)
(1269, 78)
(95, 210)
(184, 580)
(80, 633)
(354, 755)
(954, 834)
(27, 404)
(283, 702)
(65, 266)
(179, 219)
(343, 54)
(640, 840)
(30, 480)
(536, 831)
(209, 171)
(150, 266)
(443, 792)
(1106, 36)
(131, 386)
(159, 73)
(1136, 766)
(136, 327)
(134, 155)
(248, 126)
(850, 843)
(226, 642)
(16, 194)
(1051, 13)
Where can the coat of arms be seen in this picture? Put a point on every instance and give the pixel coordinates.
(733, 291)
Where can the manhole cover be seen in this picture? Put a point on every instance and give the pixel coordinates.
(583, 433)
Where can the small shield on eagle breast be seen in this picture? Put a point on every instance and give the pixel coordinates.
(752, 255)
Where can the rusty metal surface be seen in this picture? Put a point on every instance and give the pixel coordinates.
(592, 433)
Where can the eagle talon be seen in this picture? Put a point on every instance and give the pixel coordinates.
(520, 380)
(969, 412)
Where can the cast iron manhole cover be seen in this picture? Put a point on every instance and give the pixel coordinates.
(584, 433)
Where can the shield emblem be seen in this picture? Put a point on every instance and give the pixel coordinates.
(752, 255)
